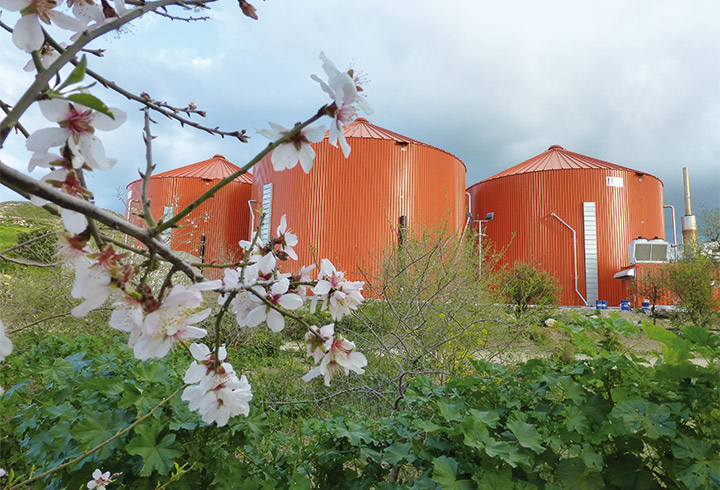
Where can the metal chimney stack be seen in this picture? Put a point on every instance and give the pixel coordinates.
(689, 224)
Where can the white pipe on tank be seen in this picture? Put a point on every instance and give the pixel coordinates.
(675, 243)
(252, 218)
(574, 256)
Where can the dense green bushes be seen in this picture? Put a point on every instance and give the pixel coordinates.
(612, 420)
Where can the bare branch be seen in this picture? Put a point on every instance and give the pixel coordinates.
(27, 184)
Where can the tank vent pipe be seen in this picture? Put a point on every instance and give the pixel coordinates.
(574, 257)
(675, 243)
(688, 222)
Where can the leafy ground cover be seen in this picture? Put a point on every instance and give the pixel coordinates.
(612, 420)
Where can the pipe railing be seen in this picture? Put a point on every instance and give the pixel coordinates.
(574, 256)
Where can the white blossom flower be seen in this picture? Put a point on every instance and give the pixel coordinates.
(339, 355)
(286, 240)
(127, 316)
(242, 303)
(173, 320)
(77, 127)
(6, 345)
(27, 33)
(316, 339)
(229, 398)
(264, 258)
(297, 149)
(66, 181)
(339, 295)
(48, 55)
(92, 284)
(216, 392)
(277, 296)
(304, 276)
(2, 470)
(100, 480)
(345, 90)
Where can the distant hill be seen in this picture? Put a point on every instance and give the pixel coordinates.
(21, 216)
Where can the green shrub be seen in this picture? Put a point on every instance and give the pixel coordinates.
(690, 280)
(528, 290)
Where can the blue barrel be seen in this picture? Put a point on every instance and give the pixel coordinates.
(605, 305)
(598, 305)
(646, 304)
(625, 305)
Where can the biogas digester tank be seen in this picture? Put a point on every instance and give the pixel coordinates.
(605, 204)
(350, 210)
(212, 231)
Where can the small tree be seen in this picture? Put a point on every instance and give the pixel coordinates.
(38, 245)
(653, 285)
(524, 286)
(690, 280)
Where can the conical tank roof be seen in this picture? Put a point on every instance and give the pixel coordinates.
(362, 128)
(214, 168)
(558, 158)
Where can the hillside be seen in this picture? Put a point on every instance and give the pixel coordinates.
(21, 216)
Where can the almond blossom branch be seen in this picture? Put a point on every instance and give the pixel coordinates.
(26, 262)
(6, 110)
(41, 80)
(211, 192)
(149, 167)
(27, 184)
(163, 108)
(184, 19)
(102, 444)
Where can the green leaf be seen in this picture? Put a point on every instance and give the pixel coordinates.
(475, 432)
(355, 433)
(490, 419)
(92, 102)
(428, 425)
(701, 474)
(445, 473)
(572, 390)
(691, 449)
(494, 480)
(526, 435)
(631, 413)
(507, 452)
(152, 372)
(77, 74)
(573, 476)
(157, 455)
(675, 349)
(696, 334)
(657, 421)
(96, 428)
(397, 452)
(576, 420)
(133, 396)
(58, 372)
(450, 411)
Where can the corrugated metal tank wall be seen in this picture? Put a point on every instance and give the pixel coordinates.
(523, 204)
(224, 219)
(348, 210)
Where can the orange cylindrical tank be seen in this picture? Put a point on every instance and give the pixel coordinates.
(607, 206)
(212, 231)
(349, 210)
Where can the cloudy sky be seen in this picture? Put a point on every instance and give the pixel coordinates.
(495, 83)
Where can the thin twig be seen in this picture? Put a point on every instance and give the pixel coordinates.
(28, 242)
(27, 262)
(6, 110)
(149, 167)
